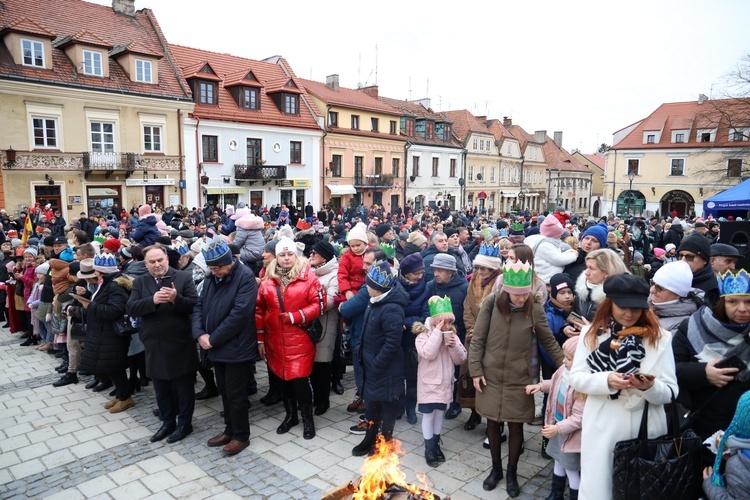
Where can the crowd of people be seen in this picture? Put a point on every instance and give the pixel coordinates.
(437, 312)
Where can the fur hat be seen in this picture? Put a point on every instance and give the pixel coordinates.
(144, 211)
(675, 277)
(551, 228)
(697, 244)
(411, 263)
(417, 239)
(381, 277)
(358, 232)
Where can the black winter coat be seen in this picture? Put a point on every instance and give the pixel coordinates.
(166, 329)
(380, 352)
(706, 280)
(226, 311)
(674, 236)
(105, 351)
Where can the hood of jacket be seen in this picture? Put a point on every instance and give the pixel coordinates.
(249, 222)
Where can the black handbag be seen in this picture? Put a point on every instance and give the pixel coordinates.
(662, 468)
(125, 326)
(78, 331)
(314, 328)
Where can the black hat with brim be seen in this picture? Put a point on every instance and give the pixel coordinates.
(627, 291)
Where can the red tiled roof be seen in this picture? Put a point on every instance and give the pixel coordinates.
(523, 137)
(721, 114)
(93, 24)
(559, 159)
(282, 85)
(230, 71)
(240, 78)
(84, 37)
(347, 98)
(419, 112)
(596, 159)
(464, 123)
(136, 48)
(498, 130)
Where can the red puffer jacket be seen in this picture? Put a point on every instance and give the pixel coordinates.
(289, 350)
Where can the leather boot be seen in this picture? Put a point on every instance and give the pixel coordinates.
(290, 406)
(494, 477)
(365, 447)
(511, 481)
(544, 453)
(307, 421)
(438, 451)
(63, 368)
(430, 453)
(30, 340)
(573, 494)
(558, 488)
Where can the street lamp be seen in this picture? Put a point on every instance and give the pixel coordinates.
(631, 176)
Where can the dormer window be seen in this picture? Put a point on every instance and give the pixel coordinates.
(92, 63)
(291, 104)
(143, 71)
(33, 53)
(249, 98)
(206, 93)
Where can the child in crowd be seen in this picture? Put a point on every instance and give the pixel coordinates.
(637, 267)
(39, 331)
(735, 482)
(351, 274)
(562, 425)
(439, 350)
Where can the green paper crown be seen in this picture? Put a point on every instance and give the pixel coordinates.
(517, 275)
(517, 226)
(339, 249)
(389, 250)
(440, 306)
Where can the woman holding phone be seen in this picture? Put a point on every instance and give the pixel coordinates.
(624, 358)
(712, 352)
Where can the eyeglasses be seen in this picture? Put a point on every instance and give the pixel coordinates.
(480, 268)
(657, 288)
(313, 252)
(216, 269)
(687, 256)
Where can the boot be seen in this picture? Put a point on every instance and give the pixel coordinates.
(494, 477)
(307, 421)
(573, 494)
(30, 340)
(430, 451)
(558, 488)
(544, 454)
(366, 446)
(438, 451)
(290, 406)
(511, 481)
(63, 367)
(67, 379)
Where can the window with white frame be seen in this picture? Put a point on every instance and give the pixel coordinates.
(143, 71)
(475, 144)
(102, 137)
(502, 175)
(678, 166)
(483, 172)
(739, 134)
(45, 132)
(33, 53)
(471, 173)
(152, 139)
(492, 174)
(92, 63)
(633, 166)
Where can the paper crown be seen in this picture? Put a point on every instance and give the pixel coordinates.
(486, 234)
(489, 250)
(517, 277)
(339, 248)
(105, 260)
(100, 238)
(517, 226)
(214, 249)
(440, 306)
(302, 225)
(381, 277)
(734, 283)
(389, 250)
(180, 247)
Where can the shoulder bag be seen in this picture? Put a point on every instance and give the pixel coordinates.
(315, 328)
(125, 326)
(466, 393)
(656, 469)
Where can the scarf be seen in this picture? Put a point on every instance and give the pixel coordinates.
(622, 352)
(490, 279)
(555, 303)
(712, 339)
(284, 275)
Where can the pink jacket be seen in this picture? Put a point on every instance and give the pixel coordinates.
(436, 367)
(570, 426)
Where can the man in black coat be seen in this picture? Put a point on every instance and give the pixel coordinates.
(696, 251)
(164, 300)
(224, 325)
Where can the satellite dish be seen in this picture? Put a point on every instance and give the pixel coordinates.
(461, 181)
(479, 177)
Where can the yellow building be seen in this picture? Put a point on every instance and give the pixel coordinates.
(595, 163)
(91, 108)
(682, 153)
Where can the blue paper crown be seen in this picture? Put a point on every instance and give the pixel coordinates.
(734, 283)
(214, 248)
(180, 247)
(381, 276)
(105, 260)
(491, 250)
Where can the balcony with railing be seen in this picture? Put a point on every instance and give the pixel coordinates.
(265, 173)
(108, 162)
(373, 181)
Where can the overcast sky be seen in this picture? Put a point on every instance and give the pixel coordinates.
(587, 68)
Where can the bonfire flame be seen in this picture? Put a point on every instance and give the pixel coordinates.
(382, 471)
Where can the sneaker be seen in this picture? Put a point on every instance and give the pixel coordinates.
(360, 428)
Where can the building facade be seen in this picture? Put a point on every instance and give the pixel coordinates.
(91, 108)
(595, 163)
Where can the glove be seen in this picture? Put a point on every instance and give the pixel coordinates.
(48, 318)
(286, 318)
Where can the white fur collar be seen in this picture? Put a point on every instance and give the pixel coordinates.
(597, 291)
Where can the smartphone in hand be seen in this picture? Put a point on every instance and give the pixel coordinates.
(732, 361)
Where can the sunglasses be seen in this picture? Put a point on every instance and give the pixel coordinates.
(657, 288)
(687, 257)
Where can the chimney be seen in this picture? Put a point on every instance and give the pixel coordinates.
(540, 136)
(507, 122)
(482, 119)
(425, 101)
(126, 7)
(558, 139)
(332, 81)
(372, 91)
(702, 98)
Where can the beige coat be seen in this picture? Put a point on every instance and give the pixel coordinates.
(327, 275)
(501, 352)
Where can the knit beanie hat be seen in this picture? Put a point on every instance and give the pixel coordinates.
(739, 427)
(112, 244)
(444, 261)
(670, 246)
(216, 252)
(105, 263)
(31, 250)
(285, 245)
(358, 232)
(42, 268)
(229, 210)
(382, 229)
(411, 264)
(325, 250)
(570, 345)
(488, 256)
(551, 228)
(416, 238)
(675, 277)
(440, 309)
(698, 244)
(450, 231)
(144, 211)
(560, 281)
(270, 247)
(659, 253)
(517, 277)
(637, 256)
(381, 276)
(599, 233)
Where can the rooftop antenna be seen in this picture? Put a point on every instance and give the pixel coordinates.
(711, 92)
(376, 64)
(428, 88)
(440, 103)
(410, 88)
(359, 68)
(487, 108)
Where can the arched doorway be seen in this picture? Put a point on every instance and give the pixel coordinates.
(631, 202)
(679, 200)
(595, 209)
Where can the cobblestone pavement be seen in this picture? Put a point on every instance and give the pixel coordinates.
(59, 443)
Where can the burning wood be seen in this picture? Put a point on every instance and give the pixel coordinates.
(382, 478)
